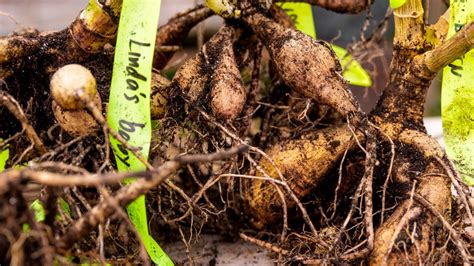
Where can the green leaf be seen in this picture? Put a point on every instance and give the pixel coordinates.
(129, 102)
(40, 214)
(397, 3)
(38, 209)
(4, 156)
(65, 207)
(457, 98)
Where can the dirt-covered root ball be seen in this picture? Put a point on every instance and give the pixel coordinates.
(77, 123)
(71, 85)
(159, 95)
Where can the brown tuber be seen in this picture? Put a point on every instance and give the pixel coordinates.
(191, 77)
(214, 68)
(304, 163)
(308, 66)
(77, 123)
(228, 93)
(159, 96)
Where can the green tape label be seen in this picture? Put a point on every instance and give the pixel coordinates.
(302, 15)
(457, 98)
(129, 102)
(397, 3)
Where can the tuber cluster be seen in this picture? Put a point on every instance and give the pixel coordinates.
(255, 134)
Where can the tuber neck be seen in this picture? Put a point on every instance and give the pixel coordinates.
(403, 99)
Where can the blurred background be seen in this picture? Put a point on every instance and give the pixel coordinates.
(339, 29)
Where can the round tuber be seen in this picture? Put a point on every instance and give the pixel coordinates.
(71, 85)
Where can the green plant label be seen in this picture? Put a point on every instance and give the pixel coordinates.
(397, 3)
(457, 98)
(353, 71)
(129, 102)
(302, 15)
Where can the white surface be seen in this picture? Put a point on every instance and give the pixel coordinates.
(213, 250)
(435, 128)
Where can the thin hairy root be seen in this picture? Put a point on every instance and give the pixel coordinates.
(341, 6)
(129, 193)
(355, 199)
(266, 177)
(456, 179)
(97, 114)
(175, 32)
(453, 234)
(264, 244)
(125, 218)
(14, 107)
(389, 175)
(304, 163)
(94, 110)
(370, 162)
(409, 214)
(319, 78)
(357, 255)
(283, 202)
